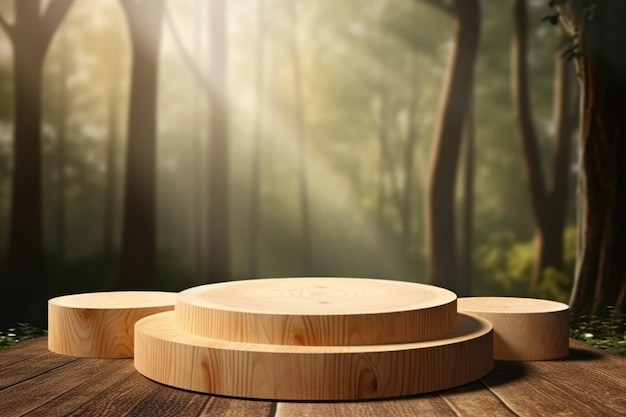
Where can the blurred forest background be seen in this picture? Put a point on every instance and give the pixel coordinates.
(199, 141)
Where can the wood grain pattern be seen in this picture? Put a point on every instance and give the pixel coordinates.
(317, 311)
(525, 329)
(174, 357)
(101, 325)
(58, 385)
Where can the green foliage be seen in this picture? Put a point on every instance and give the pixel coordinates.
(604, 332)
(19, 333)
(505, 267)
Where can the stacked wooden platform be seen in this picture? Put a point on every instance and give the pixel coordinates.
(317, 338)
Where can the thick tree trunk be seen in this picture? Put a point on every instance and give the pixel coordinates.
(218, 268)
(26, 281)
(138, 263)
(601, 271)
(548, 205)
(26, 277)
(440, 219)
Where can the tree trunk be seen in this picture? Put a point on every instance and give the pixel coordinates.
(61, 140)
(138, 263)
(440, 219)
(465, 281)
(305, 221)
(406, 210)
(26, 281)
(548, 206)
(600, 279)
(197, 218)
(111, 167)
(255, 173)
(218, 268)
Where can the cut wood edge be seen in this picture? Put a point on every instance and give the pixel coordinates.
(101, 324)
(171, 356)
(317, 311)
(525, 329)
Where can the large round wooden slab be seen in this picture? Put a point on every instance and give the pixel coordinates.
(525, 329)
(101, 324)
(317, 311)
(174, 357)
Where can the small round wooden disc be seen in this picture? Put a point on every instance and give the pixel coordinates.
(525, 329)
(177, 358)
(101, 324)
(317, 311)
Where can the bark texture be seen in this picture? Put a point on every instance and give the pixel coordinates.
(440, 217)
(25, 281)
(600, 279)
(218, 263)
(548, 202)
(138, 263)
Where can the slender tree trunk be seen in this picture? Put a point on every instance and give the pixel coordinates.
(255, 183)
(61, 139)
(548, 205)
(218, 268)
(406, 212)
(465, 282)
(299, 115)
(111, 166)
(198, 228)
(600, 279)
(138, 263)
(440, 219)
(26, 280)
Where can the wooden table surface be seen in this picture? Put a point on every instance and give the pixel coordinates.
(36, 382)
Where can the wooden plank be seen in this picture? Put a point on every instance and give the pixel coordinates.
(65, 388)
(591, 374)
(536, 393)
(137, 396)
(31, 367)
(424, 405)
(474, 400)
(119, 399)
(166, 401)
(23, 350)
(469, 400)
(588, 382)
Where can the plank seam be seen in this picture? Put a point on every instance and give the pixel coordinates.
(504, 403)
(39, 374)
(115, 365)
(273, 409)
(24, 359)
(449, 404)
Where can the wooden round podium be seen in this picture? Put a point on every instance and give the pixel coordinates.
(525, 329)
(101, 324)
(314, 339)
(167, 354)
(317, 311)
